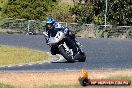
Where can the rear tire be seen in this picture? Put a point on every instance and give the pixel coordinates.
(64, 54)
(82, 57)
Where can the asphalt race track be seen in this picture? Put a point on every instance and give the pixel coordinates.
(101, 53)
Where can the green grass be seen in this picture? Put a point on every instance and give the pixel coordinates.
(13, 55)
(6, 86)
(79, 86)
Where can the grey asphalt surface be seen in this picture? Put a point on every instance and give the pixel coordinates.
(101, 53)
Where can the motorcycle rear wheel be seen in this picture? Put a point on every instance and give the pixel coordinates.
(82, 57)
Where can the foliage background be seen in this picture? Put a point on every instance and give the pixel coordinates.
(83, 11)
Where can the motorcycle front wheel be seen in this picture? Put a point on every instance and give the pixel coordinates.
(65, 54)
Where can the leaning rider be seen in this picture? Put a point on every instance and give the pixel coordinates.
(52, 27)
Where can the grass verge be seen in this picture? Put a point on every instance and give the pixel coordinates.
(13, 55)
(6, 86)
(79, 86)
(61, 79)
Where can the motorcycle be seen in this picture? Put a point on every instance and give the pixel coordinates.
(59, 46)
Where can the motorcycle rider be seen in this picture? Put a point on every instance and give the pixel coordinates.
(50, 30)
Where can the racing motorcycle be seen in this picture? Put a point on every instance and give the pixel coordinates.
(59, 46)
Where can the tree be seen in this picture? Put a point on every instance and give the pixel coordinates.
(3, 5)
(83, 12)
(28, 9)
(119, 12)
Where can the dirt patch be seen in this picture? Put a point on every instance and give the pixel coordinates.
(35, 79)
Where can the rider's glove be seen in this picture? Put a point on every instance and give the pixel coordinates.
(45, 34)
(46, 40)
(66, 31)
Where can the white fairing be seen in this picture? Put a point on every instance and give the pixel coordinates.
(59, 36)
(57, 25)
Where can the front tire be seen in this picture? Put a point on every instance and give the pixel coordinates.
(64, 54)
